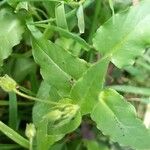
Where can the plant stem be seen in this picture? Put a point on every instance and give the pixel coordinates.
(68, 15)
(94, 21)
(31, 144)
(143, 64)
(34, 98)
(26, 91)
(147, 58)
(6, 103)
(67, 34)
(13, 110)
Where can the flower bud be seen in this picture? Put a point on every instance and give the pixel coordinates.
(7, 83)
(30, 130)
(53, 115)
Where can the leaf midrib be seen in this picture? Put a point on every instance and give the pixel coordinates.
(125, 37)
(65, 73)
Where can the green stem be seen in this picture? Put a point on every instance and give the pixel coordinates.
(42, 12)
(34, 83)
(6, 103)
(143, 64)
(13, 110)
(68, 15)
(95, 21)
(47, 32)
(34, 98)
(73, 4)
(146, 57)
(67, 34)
(31, 144)
(27, 91)
(9, 146)
(14, 135)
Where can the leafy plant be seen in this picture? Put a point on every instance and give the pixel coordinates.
(51, 53)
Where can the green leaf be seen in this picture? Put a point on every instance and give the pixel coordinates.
(70, 45)
(51, 128)
(58, 67)
(132, 89)
(14, 135)
(34, 30)
(39, 110)
(67, 34)
(9, 146)
(111, 7)
(46, 92)
(10, 33)
(85, 91)
(22, 6)
(60, 16)
(13, 3)
(61, 119)
(45, 141)
(13, 111)
(117, 118)
(80, 16)
(127, 36)
(22, 68)
(67, 126)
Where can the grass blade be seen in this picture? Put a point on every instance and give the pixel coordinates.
(13, 110)
(132, 89)
(14, 135)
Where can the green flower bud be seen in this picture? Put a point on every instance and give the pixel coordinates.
(70, 111)
(7, 83)
(30, 130)
(53, 115)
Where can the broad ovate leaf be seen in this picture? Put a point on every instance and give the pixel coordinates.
(44, 139)
(126, 35)
(58, 67)
(46, 92)
(117, 118)
(86, 90)
(65, 126)
(54, 122)
(11, 31)
(63, 118)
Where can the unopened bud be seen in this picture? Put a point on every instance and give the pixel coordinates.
(30, 130)
(7, 83)
(53, 115)
(71, 111)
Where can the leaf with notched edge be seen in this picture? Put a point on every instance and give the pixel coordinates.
(117, 118)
